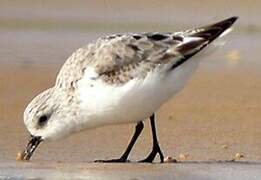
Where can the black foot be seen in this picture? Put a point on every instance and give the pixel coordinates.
(152, 155)
(124, 156)
(120, 160)
(156, 147)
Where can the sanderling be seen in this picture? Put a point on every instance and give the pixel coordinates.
(121, 78)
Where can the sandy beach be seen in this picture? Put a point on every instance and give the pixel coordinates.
(188, 171)
(212, 127)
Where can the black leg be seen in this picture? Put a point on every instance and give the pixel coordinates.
(156, 147)
(125, 155)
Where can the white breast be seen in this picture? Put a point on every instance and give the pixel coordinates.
(136, 100)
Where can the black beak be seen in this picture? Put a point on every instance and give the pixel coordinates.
(34, 141)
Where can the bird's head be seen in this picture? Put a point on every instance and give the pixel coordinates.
(45, 120)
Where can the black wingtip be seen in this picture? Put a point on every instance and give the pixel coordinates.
(208, 34)
(213, 31)
(226, 23)
(233, 19)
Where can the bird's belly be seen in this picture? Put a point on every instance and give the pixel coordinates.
(104, 104)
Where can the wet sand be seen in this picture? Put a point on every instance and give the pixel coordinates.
(214, 110)
(188, 171)
(216, 116)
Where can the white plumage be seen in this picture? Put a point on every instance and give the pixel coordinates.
(118, 79)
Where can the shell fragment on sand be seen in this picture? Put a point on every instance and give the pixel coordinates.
(20, 156)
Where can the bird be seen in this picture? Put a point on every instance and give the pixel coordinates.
(117, 79)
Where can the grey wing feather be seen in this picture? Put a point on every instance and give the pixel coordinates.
(119, 58)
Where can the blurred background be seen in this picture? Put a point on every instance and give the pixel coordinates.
(215, 117)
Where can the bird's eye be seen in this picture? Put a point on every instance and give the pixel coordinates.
(42, 120)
